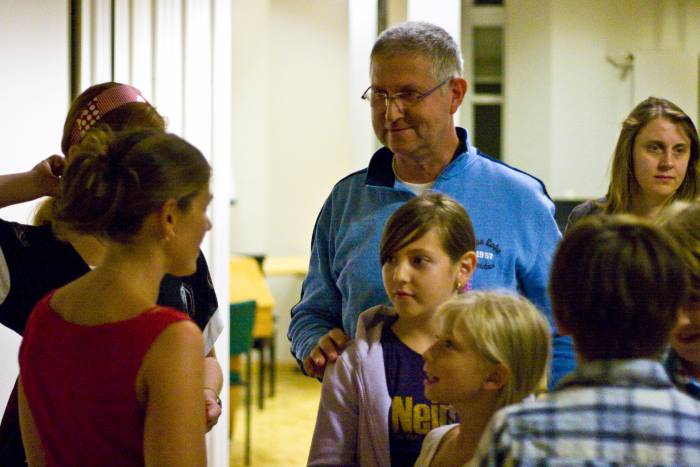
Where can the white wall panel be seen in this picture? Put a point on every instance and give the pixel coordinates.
(168, 57)
(141, 46)
(122, 41)
(197, 65)
(34, 96)
(101, 39)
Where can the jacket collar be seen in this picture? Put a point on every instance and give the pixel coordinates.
(381, 173)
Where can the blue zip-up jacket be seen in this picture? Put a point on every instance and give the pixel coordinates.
(512, 215)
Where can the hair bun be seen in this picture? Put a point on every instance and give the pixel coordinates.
(114, 180)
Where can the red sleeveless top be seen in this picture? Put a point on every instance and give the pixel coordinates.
(80, 384)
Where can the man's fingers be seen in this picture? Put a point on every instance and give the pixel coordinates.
(339, 338)
(315, 363)
(309, 366)
(328, 347)
(327, 350)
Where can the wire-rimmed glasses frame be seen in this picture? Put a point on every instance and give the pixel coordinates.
(404, 99)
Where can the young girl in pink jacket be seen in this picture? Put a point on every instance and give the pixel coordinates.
(373, 411)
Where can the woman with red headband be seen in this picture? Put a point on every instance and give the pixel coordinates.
(34, 260)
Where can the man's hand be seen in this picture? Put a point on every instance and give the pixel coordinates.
(327, 350)
(213, 409)
(47, 174)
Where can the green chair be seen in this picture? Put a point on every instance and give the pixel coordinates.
(241, 321)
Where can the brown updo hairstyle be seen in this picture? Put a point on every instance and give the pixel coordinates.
(428, 211)
(114, 180)
(126, 117)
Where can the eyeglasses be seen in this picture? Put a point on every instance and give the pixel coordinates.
(403, 99)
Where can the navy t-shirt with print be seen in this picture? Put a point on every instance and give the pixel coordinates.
(411, 415)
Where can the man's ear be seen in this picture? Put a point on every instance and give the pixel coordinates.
(458, 89)
(497, 377)
(167, 218)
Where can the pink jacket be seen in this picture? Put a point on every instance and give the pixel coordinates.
(352, 426)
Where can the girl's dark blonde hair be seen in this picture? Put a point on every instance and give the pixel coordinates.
(114, 180)
(681, 220)
(501, 328)
(622, 181)
(425, 212)
(126, 117)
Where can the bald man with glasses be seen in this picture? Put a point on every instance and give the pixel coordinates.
(416, 88)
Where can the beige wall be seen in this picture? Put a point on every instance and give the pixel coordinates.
(291, 137)
(309, 111)
(291, 119)
(564, 101)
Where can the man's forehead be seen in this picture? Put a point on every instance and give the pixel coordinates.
(404, 69)
(398, 59)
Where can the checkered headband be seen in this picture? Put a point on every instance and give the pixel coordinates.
(103, 103)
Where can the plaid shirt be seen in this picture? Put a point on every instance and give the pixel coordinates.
(622, 412)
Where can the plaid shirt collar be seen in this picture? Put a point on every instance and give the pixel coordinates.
(675, 367)
(634, 373)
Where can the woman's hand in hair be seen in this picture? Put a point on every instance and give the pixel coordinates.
(47, 175)
(42, 180)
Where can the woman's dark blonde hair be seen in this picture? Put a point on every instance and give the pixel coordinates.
(114, 180)
(425, 212)
(622, 181)
(501, 328)
(126, 117)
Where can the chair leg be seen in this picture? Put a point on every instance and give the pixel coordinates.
(248, 406)
(273, 363)
(261, 376)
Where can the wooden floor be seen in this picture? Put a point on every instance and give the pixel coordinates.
(281, 432)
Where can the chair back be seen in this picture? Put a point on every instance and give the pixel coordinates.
(241, 321)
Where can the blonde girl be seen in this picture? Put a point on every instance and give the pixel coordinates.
(492, 350)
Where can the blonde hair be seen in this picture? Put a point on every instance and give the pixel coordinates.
(681, 220)
(502, 328)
